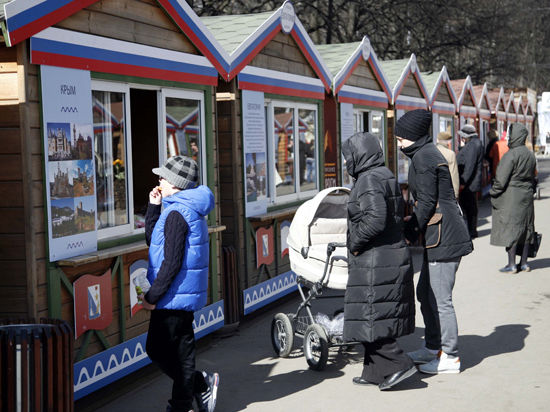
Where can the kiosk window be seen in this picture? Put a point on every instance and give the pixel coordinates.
(110, 158)
(294, 160)
(137, 129)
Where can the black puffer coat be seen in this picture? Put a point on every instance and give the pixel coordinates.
(429, 184)
(379, 299)
(470, 161)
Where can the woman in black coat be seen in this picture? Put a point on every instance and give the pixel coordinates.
(379, 300)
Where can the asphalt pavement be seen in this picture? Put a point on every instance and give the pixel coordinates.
(504, 344)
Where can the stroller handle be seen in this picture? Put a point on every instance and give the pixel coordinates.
(331, 247)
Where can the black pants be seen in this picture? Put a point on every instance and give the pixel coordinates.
(171, 345)
(468, 203)
(382, 359)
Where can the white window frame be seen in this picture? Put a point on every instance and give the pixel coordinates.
(187, 95)
(358, 118)
(162, 93)
(126, 229)
(275, 200)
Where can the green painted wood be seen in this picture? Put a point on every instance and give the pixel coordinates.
(122, 312)
(106, 244)
(102, 339)
(54, 291)
(68, 285)
(84, 347)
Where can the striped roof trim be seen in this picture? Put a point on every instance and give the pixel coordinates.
(434, 87)
(465, 86)
(242, 41)
(410, 69)
(25, 18)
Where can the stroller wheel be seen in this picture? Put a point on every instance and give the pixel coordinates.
(282, 334)
(316, 347)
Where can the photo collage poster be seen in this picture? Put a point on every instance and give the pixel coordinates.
(69, 159)
(346, 131)
(255, 153)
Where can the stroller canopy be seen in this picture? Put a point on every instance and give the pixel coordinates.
(328, 204)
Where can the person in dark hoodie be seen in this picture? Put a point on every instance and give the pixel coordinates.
(379, 300)
(470, 162)
(178, 243)
(512, 199)
(438, 218)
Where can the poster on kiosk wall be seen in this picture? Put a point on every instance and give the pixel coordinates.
(346, 131)
(69, 161)
(255, 153)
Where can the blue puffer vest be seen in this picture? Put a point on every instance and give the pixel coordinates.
(188, 289)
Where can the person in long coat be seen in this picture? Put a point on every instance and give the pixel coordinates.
(379, 299)
(512, 199)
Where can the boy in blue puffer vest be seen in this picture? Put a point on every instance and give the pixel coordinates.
(178, 272)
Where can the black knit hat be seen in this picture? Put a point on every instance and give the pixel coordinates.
(414, 125)
(180, 171)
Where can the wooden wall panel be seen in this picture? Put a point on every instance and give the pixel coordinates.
(283, 54)
(363, 77)
(130, 20)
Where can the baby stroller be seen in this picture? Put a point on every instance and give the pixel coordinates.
(318, 256)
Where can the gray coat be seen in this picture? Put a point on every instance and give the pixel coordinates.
(512, 192)
(379, 298)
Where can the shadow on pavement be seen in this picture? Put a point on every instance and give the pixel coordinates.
(484, 232)
(504, 339)
(538, 263)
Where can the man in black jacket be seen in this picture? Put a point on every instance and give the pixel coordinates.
(470, 161)
(438, 218)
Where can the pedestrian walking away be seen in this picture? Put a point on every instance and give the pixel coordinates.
(177, 237)
(512, 200)
(379, 300)
(444, 146)
(437, 217)
(470, 162)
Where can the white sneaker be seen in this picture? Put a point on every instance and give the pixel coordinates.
(422, 355)
(442, 364)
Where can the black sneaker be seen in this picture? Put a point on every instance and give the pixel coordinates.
(206, 401)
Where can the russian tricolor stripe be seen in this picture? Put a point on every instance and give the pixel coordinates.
(443, 108)
(365, 97)
(410, 103)
(66, 48)
(25, 18)
(286, 84)
(186, 19)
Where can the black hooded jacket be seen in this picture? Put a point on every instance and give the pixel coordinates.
(431, 186)
(470, 161)
(379, 299)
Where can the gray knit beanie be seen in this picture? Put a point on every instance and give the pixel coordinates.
(468, 131)
(414, 125)
(180, 171)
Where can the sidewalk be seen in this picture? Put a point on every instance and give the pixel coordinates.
(504, 346)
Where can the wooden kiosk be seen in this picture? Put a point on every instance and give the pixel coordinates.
(270, 129)
(442, 102)
(362, 92)
(520, 104)
(94, 95)
(409, 93)
(498, 100)
(484, 109)
(511, 110)
(466, 106)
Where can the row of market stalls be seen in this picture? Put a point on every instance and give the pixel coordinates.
(96, 93)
